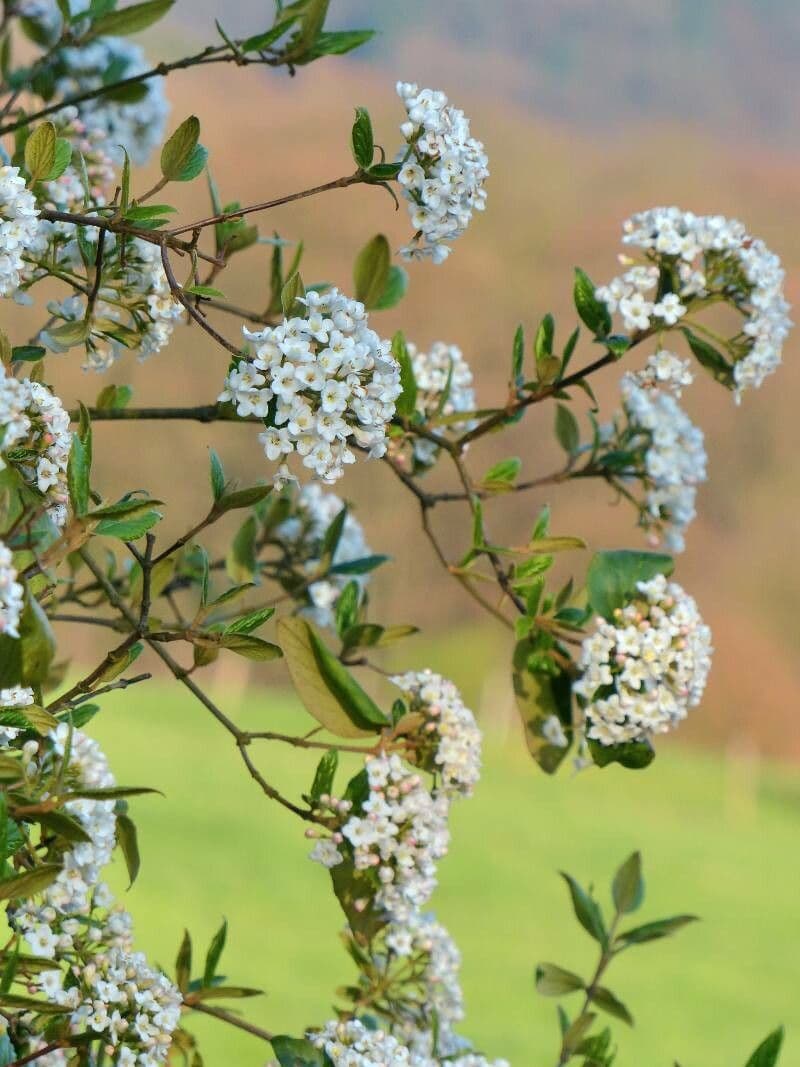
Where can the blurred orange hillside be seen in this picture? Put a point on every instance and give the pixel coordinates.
(557, 197)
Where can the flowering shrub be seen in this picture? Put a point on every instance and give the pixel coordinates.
(601, 664)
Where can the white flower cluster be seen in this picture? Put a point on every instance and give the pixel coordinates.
(302, 534)
(12, 594)
(443, 171)
(351, 1044)
(139, 125)
(442, 370)
(449, 729)
(642, 672)
(328, 376)
(708, 256)
(34, 429)
(109, 989)
(19, 227)
(674, 459)
(628, 294)
(664, 370)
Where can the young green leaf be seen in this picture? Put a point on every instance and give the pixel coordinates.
(586, 910)
(40, 151)
(371, 271)
(612, 577)
(767, 1053)
(554, 981)
(567, 430)
(628, 886)
(214, 953)
(130, 19)
(361, 139)
(592, 311)
(177, 152)
(407, 401)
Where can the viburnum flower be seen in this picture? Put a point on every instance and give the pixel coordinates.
(322, 381)
(704, 258)
(19, 227)
(643, 672)
(673, 458)
(302, 535)
(35, 438)
(107, 988)
(665, 370)
(11, 594)
(351, 1044)
(450, 736)
(443, 171)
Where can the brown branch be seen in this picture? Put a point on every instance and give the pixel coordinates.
(227, 216)
(234, 1020)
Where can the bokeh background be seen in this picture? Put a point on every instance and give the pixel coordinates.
(590, 111)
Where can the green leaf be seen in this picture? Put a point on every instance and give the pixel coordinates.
(325, 774)
(41, 1007)
(543, 343)
(250, 622)
(217, 475)
(371, 271)
(63, 158)
(339, 42)
(592, 311)
(30, 882)
(113, 792)
(347, 607)
(128, 841)
(214, 953)
(241, 563)
(78, 466)
(242, 498)
(567, 430)
(361, 139)
(298, 1052)
(27, 353)
(554, 981)
(128, 529)
(538, 697)
(358, 566)
(195, 164)
(503, 474)
(407, 401)
(58, 822)
(250, 647)
(655, 931)
(30, 717)
(634, 755)
(605, 1000)
(613, 576)
(628, 885)
(767, 1053)
(518, 357)
(204, 290)
(36, 642)
(40, 151)
(395, 289)
(177, 152)
(183, 963)
(709, 358)
(326, 688)
(314, 14)
(587, 910)
(291, 292)
(131, 19)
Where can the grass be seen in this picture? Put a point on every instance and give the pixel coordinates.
(719, 840)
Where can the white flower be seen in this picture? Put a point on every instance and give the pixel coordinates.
(654, 687)
(331, 378)
(709, 255)
(451, 727)
(11, 595)
(666, 370)
(443, 173)
(674, 458)
(19, 227)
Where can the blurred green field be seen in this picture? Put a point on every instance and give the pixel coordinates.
(719, 840)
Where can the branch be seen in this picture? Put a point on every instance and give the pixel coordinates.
(234, 1020)
(226, 216)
